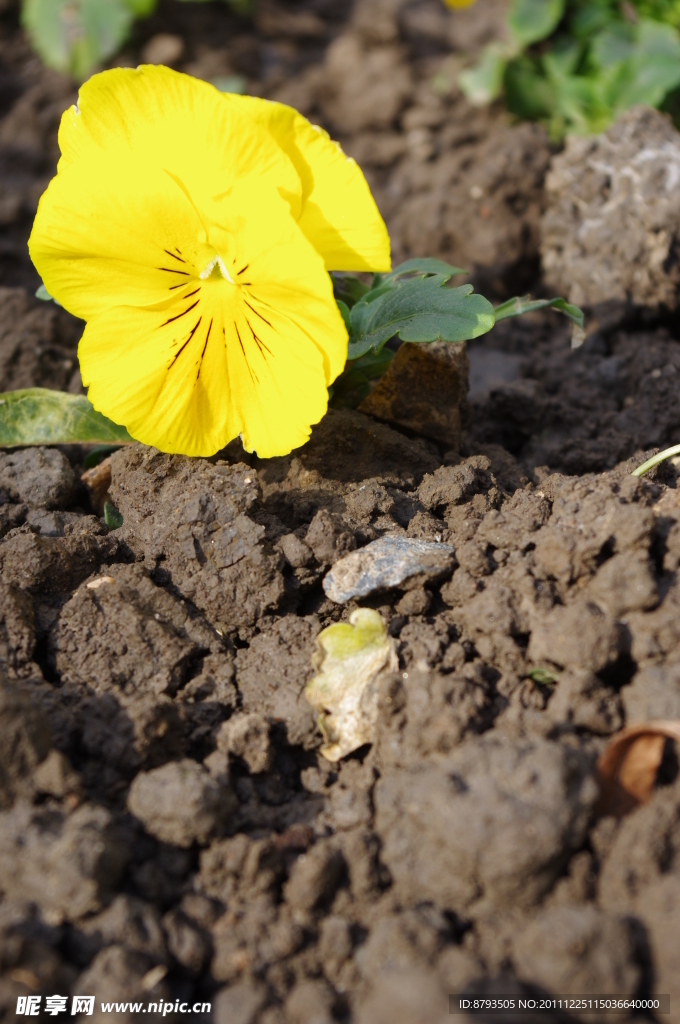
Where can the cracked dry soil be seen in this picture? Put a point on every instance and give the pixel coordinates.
(168, 828)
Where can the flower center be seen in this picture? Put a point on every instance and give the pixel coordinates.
(216, 262)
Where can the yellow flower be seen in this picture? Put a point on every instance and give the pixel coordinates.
(194, 231)
(459, 3)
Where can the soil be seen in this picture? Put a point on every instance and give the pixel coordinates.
(168, 826)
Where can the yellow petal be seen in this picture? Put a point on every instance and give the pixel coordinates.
(339, 215)
(159, 116)
(250, 354)
(112, 232)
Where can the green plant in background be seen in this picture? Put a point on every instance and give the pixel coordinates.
(576, 64)
(75, 36)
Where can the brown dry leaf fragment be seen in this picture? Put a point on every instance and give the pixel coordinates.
(98, 480)
(628, 766)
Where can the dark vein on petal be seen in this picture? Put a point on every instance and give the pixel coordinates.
(258, 341)
(207, 338)
(244, 351)
(258, 314)
(184, 313)
(178, 258)
(179, 353)
(169, 270)
(243, 270)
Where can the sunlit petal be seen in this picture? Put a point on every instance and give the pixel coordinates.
(339, 215)
(161, 117)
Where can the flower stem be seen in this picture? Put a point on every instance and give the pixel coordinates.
(668, 453)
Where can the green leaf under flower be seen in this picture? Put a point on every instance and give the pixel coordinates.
(40, 416)
(418, 310)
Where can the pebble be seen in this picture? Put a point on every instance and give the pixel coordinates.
(385, 563)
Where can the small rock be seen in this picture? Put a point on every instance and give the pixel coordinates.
(385, 563)
(41, 477)
(247, 736)
(424, 390)
(180, 803)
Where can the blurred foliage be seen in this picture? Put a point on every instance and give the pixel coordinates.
(576, 65)
(75, 36)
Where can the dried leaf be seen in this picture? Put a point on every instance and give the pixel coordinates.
(628, 767)
(350, 657)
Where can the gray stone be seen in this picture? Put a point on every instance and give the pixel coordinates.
(385, 563)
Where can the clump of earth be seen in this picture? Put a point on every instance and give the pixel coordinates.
(169, 826)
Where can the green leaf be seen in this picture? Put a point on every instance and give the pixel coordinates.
(112, 517)
(613, 45)
(44, 296)
(532, 20)
(483, 83)
(525, 304)
(98, 454)
(654, 67)
(141, 8)
(344, 309)
(231, 83)
(543, 676)
(354, 383)
(348, 287)
(40, 416)
(420, 310)
(528, 94)
(421, 267)
(76, 35)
